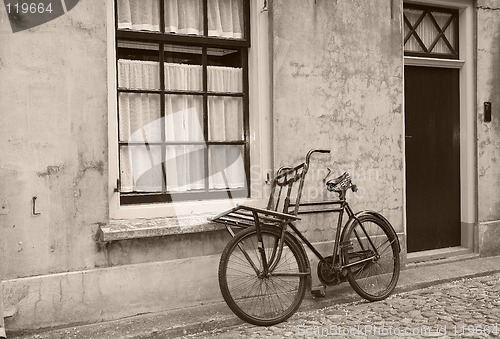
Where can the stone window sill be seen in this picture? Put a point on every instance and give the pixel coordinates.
(126, 229)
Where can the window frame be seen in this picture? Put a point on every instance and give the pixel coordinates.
(425, 10)
(205, 42)
(260, 121)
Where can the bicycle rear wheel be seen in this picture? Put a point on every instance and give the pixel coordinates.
(372, 257)
(254, 297)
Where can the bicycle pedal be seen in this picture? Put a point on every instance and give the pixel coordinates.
(318, 292)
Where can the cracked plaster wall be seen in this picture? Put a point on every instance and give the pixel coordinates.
(488, 133)
(337, 73)
(53, 132)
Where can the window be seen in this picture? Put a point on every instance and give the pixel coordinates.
(183, 112)
(430, 31)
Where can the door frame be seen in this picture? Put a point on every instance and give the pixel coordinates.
(468, 156)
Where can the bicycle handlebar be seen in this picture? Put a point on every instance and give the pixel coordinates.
(308, 156)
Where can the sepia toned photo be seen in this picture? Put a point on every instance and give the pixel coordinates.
(249, 169)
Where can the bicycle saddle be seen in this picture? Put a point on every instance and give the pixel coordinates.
(341, 184)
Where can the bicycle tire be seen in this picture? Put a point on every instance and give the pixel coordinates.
(262, 301)
(373, 280)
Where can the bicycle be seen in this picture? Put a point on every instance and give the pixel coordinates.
(264, 270)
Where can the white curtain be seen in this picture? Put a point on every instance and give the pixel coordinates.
(140, 122)
(428, 32)
(225, 118)
(225, 17)
(183, 77)
(134, 74)
(224, 79)
(225, 113)
(227, 168)
(140, 167)
(139, 15)
(184, 16)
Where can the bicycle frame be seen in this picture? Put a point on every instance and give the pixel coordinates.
(281, 212)
(267, 262)
(337, 247)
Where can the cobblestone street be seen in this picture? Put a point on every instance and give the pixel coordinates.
(466, 308)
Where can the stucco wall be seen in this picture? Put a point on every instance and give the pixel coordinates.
(337, 68)
(53, 132)
(338, 84)
(488, 133)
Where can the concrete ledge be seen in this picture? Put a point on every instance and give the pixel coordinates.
(109, 293)
(216, 315)
(124, 229)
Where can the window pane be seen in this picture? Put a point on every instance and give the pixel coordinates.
(428, 31)
(138, 51)
(184, 17)
(138, 66)
(183, 54)
(442, 19)
(139, 117)
(224, 79)
(224, 57)
(225, 18)
(413, 45)
(183, 118)
(183, 70)
(225, 118)
(140, 168)
(137, 74)
(185, 168)
(139, 15)
(227, 169)
(224, 71)
(412, 15)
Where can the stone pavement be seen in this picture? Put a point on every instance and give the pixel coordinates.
(466, 308)
(452, 304)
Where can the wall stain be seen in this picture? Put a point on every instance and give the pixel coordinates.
(51, 170)
(93, 165)
(84, 166)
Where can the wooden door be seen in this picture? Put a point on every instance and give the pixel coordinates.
(432, 135)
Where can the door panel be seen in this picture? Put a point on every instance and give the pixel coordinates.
(432, 135)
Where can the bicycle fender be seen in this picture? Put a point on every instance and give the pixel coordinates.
(302, 249)
(304, 253)
(374, 214)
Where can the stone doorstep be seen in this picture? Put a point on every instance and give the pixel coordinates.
(199, 318)
(439, 256)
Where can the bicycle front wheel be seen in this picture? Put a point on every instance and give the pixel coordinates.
(259, 298)
(371, 257)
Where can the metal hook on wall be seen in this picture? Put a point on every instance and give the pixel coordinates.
(33, 206)
(264, 8)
